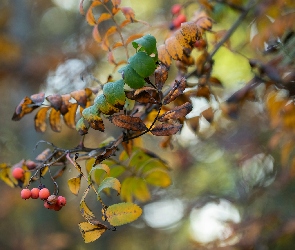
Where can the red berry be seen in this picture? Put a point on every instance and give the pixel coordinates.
(18, 173)
(56, 207)
(61, 201)
(44, 193)
(176, 8)
(178, 21)
(48, 206)
(25, 193)
(35, 193)
(52, 199)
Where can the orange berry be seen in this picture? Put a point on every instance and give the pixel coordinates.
(61, 201)
(176, 8)
(35, 193)
(44, 193)
(25, 193)
(18, 173)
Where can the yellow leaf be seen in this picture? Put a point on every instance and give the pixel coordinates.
(74, 185)
(140, 190)
(158, 178)
(122, 213)
(110, 182)
(89, 15)
(91, 232)
(54, 120)
(174, 48)
(4, 175)
(103, 17)
(163, 55)
(40, 119)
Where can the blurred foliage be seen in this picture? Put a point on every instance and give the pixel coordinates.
(235, 152)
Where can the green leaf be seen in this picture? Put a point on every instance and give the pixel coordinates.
(116, 171)
(91, 114)
(142, 64)
(127, 189)
(82, 126)
(158, 178)
(114, 93)
(103, 167)
(104, 106)
(122, 213)
(131, 78)
(148, 42)
(110, 182)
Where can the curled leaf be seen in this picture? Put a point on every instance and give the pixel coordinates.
(166, 129)
(128, 122)
(177, 90)
(91, 232)
(177, 112)
(110, 182)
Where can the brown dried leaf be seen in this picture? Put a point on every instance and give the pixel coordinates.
(55, 101)
(38, 99)
(103, 17)
(40, 119)
(204, 23)
(54, 120)
(163, 55)
(193, 123)
(177, 89)
(161, 76)
(65, 104)
(166, 129)
(174, 48)
(128, 147)
(128, 122)
(70, 116)
(144, 95)
(208, 114)
(95, 34)
(177, 112)
(43, 156)
(80, 96)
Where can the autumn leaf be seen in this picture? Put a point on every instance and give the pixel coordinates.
(91, 114)
(128, 13)
(40, 119)
(91, 232)
(114, 93)
(158, 177)
(177, 112)
(122, 213)
(128, 122)
(174, 48)
(110, 182)
(163, 55)
(166, 129)
(103, 17)
(74, 184)
(55, 120)
(177, 90)
(26, 106)
(80, 96)
(144, 95)
(70, 116)
(55, 101)
(82, 126)
(161, 76)
(96, 35)
(208, 114)
(101, 104)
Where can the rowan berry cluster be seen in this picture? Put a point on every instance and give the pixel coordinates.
(51, 201)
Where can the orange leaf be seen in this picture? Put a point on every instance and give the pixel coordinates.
(103, 17)
(133, 37)
(182, 40)
(117, 44)
(96, 35)
(54, 120)
(80, 97)
(24, 107)
(174, 48)
(105, 44)
(89, 15)
(163, 55)
(40, 119)
(65, 104)
(124, 23)
(69, 117)
(190, 31)
(116, 3)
